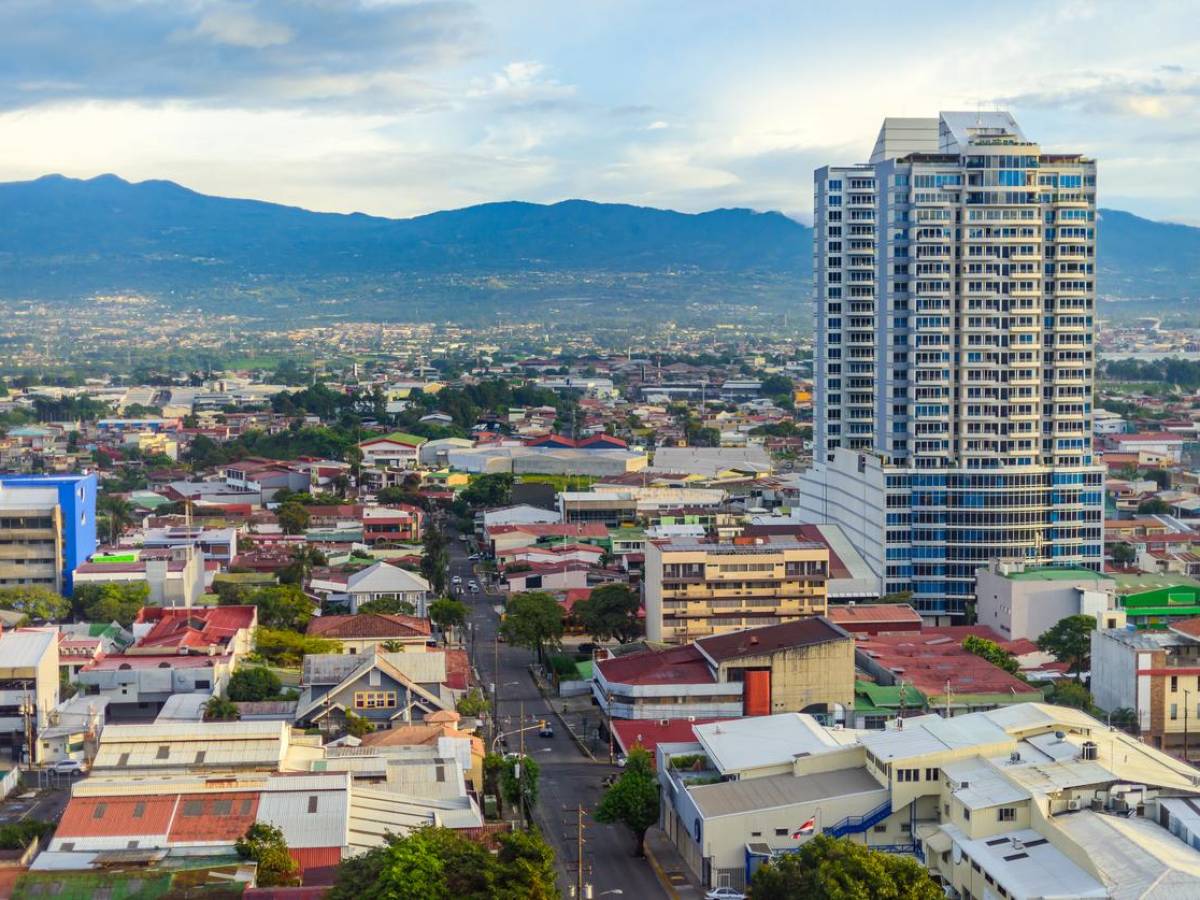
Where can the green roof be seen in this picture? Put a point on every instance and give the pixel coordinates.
(1055, 573)
(584, 669)
(107, 558)
(869, 696)
(1140, 582)
(1173, 612)
(1175, 595)
(400, 437)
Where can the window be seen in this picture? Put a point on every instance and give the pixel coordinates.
(200, 754)
(374, 699)
(164, 752)
(931, 774)
(221, 807)
(139, 809)
(247, 806)
(193, 808)
(312, 803)
(781, 832)
(1174, 711)
(966, 814)
(99, 811)
(1007, 814)
(1174, 683)
(880, 829)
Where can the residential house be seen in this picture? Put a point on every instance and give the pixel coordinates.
(29, 688)
(396, 450)
(380, 581)
(365, 632)
(210, 631)
(136, 687)
(391, 524)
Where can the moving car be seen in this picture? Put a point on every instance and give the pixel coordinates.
(546, 731)
(724, 893)
(473, 587)
(475, 556)
(457, 579)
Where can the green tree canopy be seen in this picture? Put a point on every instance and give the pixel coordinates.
(486, 491)
(293, 518)
(633, 799)
(112, 602)
(992, 652)
(265, 845)
(1070, 642)
(533, 619)
(447, 613)
(1123, 553)
(389, 605)
(288, 648)
(283, 606)
(610, 611)
(519, 780)
(36, 602)
(253, 683)
(828, 868)
(220, 709)
(1155, 506)
(472, 703)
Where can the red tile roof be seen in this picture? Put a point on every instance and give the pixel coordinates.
(368, 625)
(1157, 436)
(554, 529)
(676, 665)
(861, 615)
(1187, 627)
(116, 816)
(157, 661)
(193, 629)
(458, 670)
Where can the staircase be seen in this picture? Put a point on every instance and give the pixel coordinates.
(859, 824)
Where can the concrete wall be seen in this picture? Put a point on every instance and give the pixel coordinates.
(1026, 609)
(1114, 675)
(803, 676)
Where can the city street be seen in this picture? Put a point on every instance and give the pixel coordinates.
(567, 777)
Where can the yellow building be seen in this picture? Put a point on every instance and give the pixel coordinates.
(696, 588)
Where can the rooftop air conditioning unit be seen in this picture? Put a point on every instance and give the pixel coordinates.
(1074, 804)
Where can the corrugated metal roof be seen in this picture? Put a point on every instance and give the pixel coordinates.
(311, 810)
(752, 794)
(24, 649)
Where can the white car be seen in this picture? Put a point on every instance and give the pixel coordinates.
(457, 579)
(473, 588)
(68, 767)
(724, 893)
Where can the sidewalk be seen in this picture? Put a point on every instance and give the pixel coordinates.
(668, 865)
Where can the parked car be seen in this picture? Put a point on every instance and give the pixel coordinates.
(724, 893)
(473, 587)
(68, 767)
(546, 731)
(457, 579)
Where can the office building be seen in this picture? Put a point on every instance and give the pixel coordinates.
(47, 528)
(955, 280)
(695, 588)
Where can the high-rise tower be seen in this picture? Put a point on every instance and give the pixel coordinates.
(955, 292)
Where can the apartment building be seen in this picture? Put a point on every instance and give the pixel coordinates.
(695, 588)
(47, 528)
(1029, 801)
(955, 280)
(29, 689)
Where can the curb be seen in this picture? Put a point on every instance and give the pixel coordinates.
(660, 874)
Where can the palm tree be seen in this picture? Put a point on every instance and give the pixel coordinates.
(117, 512)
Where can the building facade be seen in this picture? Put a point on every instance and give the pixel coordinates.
(955, 280)
(47, 528)
(697, 588)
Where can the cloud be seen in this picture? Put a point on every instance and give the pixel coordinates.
(1173, 92)
(251, 54)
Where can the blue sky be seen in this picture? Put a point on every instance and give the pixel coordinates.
(399, 107)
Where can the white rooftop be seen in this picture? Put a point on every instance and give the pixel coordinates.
(738, 744)
(25, 649)
(923, 735)
(1136, 858)
(981, 784)
(1029, 868)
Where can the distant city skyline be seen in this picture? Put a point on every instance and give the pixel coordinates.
(400, 108)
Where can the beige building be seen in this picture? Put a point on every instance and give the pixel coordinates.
(32, 552)
(697, 588)
(28, 686)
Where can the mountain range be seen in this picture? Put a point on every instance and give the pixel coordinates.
(65, 239)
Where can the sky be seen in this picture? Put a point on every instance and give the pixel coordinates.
(402, 107)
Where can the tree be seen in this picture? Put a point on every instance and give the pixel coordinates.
(633, 800)
(250, 684)
(111, 602)
(288, 648)
(1123, 553)
(391, 606)
(447, 613)
(472, 703)
(533, 619)
(828, 868)
(1070, 642)
(432, 863)
(293, 518)
(435, 558)
(610, 611)
(117, 514)
(220, 709)
(265, 845)
(35, 602)
(519, 781)
(487, 491)
(992, 652)
(1071, 693)
(1124, 718)
(282, 606)
(1155, 506)
(358, 726)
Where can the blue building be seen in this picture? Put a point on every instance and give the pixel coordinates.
(56, 518)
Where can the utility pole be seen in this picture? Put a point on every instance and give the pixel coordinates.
(496, 684)
(522, 727)
(1186, 703)
(947, 698)
(579, 861)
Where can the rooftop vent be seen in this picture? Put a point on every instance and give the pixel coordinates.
(1089, 751)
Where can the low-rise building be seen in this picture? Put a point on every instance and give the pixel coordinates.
(388, 524)
(696, 588)
(1019, 601)
(380, 581)
(396, 450)
(365, 632)
(136, 687)
(29, 688)
(175, 576)
(211, 631)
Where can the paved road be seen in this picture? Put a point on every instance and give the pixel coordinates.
(567, 777)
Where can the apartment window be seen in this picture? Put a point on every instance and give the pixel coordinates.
(193, 808)
(312, 803)
(374, 699)
(139, 809)
(164, 751)
(222, 807)
(1174, 711)
(931, 774)
(908, 774)
(1174, 683)
(1007, 813)
(99, 811)
(247, 806)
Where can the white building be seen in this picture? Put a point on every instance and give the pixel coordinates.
(1020, 601)
(381, 581)
(955, 316)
